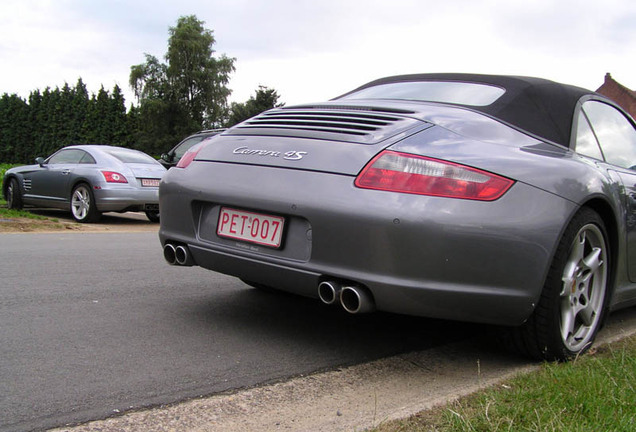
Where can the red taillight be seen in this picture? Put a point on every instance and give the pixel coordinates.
(114, 177)
(189, 156)
(401, 172)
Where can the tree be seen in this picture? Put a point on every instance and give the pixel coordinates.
(263, 100)
(188, 93)
(119, 133)
(197, 78)
(15, 135)
(56, 118)
(148, 80)
(80, 108)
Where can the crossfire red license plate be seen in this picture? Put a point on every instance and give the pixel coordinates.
(150, 182)
(250, 227)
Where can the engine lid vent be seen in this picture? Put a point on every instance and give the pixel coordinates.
(366, 125)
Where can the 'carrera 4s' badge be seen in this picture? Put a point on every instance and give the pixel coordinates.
(289, 155)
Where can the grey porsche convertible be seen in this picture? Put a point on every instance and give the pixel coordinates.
(494, 199)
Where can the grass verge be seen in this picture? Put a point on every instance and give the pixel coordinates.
(25, 221)
(593, 393)
(6, 213)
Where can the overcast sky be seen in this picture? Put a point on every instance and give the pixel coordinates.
(313, 50)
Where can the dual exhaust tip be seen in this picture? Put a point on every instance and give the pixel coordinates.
(177, 255)
(353, 298)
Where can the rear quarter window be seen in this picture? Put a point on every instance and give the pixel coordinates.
(615, 132)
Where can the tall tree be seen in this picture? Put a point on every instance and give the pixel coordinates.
(186, 94)
(263, 100)
(197, 78)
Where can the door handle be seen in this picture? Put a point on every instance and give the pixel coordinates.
(65, 172)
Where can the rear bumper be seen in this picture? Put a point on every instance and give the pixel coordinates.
(462, 302)
(425, 256)
(125, 199)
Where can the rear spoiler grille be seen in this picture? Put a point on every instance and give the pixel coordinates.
(346, 123)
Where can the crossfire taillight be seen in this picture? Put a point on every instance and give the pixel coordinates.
(114, 177)
(407, 173)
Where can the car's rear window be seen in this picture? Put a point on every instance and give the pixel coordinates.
(128, 156)
(461, 93)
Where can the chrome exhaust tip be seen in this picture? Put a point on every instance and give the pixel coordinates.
(182, 256)
(356, 299)
(170, 253)
(329, 292)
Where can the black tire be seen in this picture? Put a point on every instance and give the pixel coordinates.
(14, 195)
(575, 295)
(82, 205)
(152, 215)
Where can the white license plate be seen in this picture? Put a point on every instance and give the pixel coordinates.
(150, 182)
(251, 227)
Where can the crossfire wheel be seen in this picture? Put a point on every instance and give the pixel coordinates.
(14, 196)
(83, 206)
(152, 215)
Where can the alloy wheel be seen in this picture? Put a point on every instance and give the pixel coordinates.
(80, 203)
(584, 287)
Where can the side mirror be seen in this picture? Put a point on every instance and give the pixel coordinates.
(39, 161)
(167, 157)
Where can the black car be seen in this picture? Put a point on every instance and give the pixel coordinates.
(172, 158)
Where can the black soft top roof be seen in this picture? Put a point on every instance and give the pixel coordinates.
(541, 107)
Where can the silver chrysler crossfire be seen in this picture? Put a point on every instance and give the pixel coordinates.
(88, 180)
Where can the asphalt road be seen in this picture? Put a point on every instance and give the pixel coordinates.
(97, 323)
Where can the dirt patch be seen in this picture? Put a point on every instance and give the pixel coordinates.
(16, 225)
(62, 222)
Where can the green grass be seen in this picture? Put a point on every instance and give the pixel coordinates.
(594, 393)
(6, 213)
